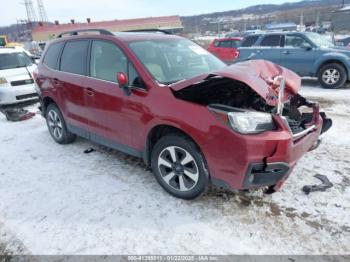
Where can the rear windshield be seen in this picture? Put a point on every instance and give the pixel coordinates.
(14, 60)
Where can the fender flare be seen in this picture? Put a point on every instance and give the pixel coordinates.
(333, 58)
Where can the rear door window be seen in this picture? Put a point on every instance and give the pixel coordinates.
(249, 41)
(74, 57)
(52, 55)
(271, 41)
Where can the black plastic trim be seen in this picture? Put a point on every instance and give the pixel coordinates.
(264, 174)
(75, 32)
(104, 141)
(220, 184)
(148, 31)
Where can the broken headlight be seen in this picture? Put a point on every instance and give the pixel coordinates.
(251, 122)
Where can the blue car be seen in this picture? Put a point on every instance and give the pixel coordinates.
(307, 54)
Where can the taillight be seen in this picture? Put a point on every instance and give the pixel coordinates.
(237, 54)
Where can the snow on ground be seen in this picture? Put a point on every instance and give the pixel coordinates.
(55, 199)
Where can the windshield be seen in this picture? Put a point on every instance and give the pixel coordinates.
(319, 40)
(170, 61)
(14, 60)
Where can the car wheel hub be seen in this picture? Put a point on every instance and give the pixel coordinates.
(178, 168)
(55, 124)
(331, 76)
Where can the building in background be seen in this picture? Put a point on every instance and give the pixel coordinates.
(341, 20)
(44, 32)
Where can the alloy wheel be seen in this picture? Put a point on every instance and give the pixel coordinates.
(331, 76)
(55, 124)
(178, 168)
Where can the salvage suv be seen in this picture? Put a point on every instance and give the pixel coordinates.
(307, 54)
(195, 121)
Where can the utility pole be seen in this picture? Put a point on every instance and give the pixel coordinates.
(318, 19)
(301, 21)
(31, 15)
(42, 11)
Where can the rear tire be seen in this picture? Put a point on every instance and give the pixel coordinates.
(57, 126)
(179, 167)
(332, 76)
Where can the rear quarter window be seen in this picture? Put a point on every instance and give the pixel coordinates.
(52, 55)
(236, 43)
(225, 44)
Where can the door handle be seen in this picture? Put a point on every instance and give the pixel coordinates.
(286, 52)
(89, 91)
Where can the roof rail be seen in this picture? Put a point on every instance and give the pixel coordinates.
(75, 32)
(149, 31)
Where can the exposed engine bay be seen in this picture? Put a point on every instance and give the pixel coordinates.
(224, 91)
(229, 95)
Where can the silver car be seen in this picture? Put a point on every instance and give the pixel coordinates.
(16, 76)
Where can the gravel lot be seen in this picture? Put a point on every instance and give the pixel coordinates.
(57, 200)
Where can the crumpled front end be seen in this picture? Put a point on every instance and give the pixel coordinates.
(244, 157)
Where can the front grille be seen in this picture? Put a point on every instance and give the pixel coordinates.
(22, 82)
(26, 96)
(295, 126)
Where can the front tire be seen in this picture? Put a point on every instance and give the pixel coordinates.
(332, 76)
(179, 167)
(57, 126)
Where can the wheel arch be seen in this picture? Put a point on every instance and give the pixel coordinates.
(160, 131)
(333, 61)
(46, 101)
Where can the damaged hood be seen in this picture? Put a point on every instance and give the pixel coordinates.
(260, 75)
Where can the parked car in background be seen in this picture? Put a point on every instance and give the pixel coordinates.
(307, 54)
(16, 81)
(226, 48)
(193, 120)
(343, 42)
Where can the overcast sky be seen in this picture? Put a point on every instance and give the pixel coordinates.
(64, 10)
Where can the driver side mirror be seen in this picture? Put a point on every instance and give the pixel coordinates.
(123, 82)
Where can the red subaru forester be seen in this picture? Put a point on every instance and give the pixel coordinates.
(195, 121)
